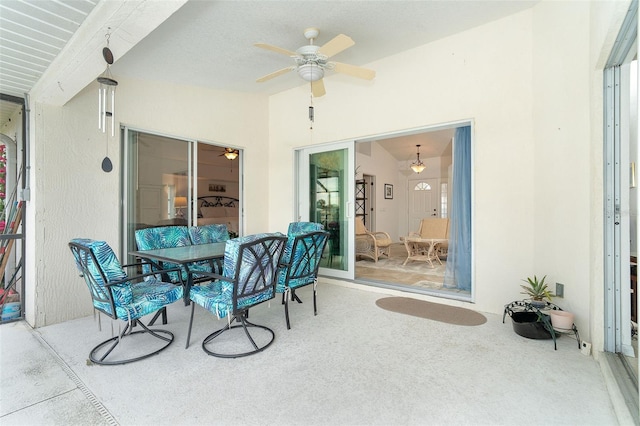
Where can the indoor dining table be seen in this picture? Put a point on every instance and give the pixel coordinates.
(184, 256)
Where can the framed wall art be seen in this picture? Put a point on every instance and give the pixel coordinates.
(388, 191)
(216, 187)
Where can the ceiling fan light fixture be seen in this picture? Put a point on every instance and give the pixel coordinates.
(230, 153)
(418, 166)
(310, 72)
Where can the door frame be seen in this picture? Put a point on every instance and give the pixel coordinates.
(616, 85)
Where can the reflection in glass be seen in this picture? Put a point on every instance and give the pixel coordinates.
(327, 203)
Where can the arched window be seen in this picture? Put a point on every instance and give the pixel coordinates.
(422, 186)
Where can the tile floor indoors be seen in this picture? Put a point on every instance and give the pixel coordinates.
(353, 364)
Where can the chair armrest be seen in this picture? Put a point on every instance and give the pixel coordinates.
(141, 262)
(367, 236)
(214, 276)
(414, 234)
(140, 276)
(379, 234)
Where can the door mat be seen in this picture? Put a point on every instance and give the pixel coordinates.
(432, 311)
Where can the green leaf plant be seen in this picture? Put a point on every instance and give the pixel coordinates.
(537, 289)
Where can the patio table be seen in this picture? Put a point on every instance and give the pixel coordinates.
(184, 256)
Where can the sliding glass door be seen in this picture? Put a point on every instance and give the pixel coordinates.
(325, 194)
(166, 181)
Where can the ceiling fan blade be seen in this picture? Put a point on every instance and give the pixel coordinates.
(275, 74)
(336, 45)
(317, 88)
(275, 49)
(354, 71)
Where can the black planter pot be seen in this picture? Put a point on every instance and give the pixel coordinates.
(526, 324)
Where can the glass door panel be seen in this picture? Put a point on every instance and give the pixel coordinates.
(325, 194)
(157, 184)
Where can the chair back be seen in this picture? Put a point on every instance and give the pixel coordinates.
(434, 228)
(301, 260)
(298, 228)
(251, 265)
(159, 238)
(205, 234)
(360, 228)
(98, 265)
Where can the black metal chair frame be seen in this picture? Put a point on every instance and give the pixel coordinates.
(303, 269)
(238, 314)
(99, 294)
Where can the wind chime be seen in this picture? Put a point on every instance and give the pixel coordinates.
(311, 112)
(107, 100)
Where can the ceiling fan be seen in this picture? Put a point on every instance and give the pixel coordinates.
(311, 61)
(230, 153)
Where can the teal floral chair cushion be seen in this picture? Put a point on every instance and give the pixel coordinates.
(250, 272)
(297, 228)
(126, 300)
(205, 234)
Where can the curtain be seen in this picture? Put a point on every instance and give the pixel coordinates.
(458, 272)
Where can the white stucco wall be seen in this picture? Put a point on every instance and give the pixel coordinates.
(73, 197)
(562, 72)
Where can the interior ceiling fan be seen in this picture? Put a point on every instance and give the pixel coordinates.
(311, 61)
(230, 153)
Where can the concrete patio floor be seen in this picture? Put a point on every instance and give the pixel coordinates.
(353, 364)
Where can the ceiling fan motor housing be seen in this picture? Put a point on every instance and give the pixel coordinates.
(310, 64)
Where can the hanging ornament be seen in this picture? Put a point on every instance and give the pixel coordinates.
(107, 92)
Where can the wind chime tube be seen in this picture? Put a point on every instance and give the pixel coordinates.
(113, 111)
(99, 108)
(104, 110)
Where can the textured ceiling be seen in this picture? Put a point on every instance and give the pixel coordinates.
(211, 43)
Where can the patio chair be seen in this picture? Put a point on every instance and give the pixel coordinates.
(122, 296)
(206, 234)
(298, 228)
(371, 244)
(167, 237)
(248, 279)
(299, 267)
(434, 227)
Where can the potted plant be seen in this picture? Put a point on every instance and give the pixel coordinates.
(538, 291)
(561, 320)
(527, 318)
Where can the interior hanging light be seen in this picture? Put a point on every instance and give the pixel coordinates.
(418, 166)
(107, 92)
(230, 153)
